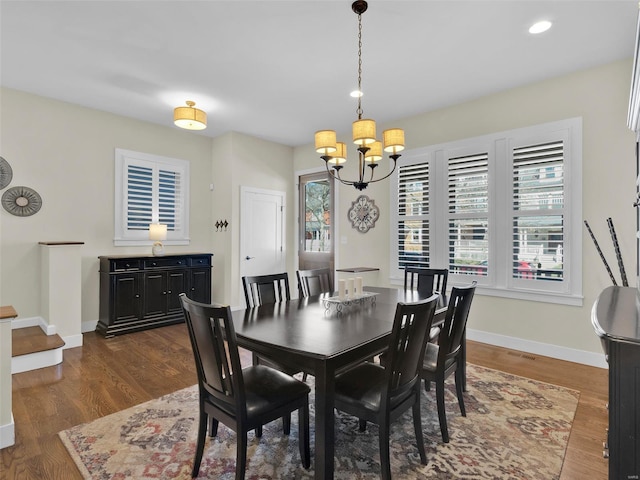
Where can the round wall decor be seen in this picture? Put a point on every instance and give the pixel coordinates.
(21, 201)
(363, 213)
(6, 173)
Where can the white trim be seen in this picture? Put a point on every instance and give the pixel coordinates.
(33, 361)
(554, 351)
(72, 341)
(34, 322)
(88, 326)
(8, 434)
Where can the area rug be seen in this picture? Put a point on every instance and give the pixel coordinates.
(515, 428)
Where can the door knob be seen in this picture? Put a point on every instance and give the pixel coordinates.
(248, 257)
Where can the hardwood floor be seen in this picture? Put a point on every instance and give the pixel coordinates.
(108, 375)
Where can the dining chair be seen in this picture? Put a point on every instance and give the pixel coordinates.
(381, 395)
(242, 399)
(261, 289)
(445, 357)
(426, 280)
(314, 282)
(264, 289)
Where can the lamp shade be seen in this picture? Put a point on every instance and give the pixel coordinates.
(157, 231)
(325, 141)
(393, 139)
(340, 155)
(364, 131)
(374, 153)
(190, 117)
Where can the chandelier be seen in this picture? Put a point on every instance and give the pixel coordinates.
(369, 148)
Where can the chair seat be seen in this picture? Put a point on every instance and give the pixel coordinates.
(430, 361)
(362, 386)
(267, 389)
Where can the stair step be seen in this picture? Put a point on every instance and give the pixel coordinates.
(32, 340)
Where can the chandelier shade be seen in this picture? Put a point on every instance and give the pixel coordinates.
(370, 149)
(190, 117)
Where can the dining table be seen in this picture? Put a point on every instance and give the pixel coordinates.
(323, 335)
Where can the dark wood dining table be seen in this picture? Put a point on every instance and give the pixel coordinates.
(311, 334)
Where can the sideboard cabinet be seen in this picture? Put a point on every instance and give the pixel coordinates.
(616, 320)
(141, 292)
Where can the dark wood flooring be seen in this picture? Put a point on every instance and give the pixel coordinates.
(108, 375)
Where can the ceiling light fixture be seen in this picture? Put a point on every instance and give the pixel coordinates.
(540, 27)
(370, 150)
(190, 117)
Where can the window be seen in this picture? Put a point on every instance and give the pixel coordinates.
(150, 189)
(502, 209)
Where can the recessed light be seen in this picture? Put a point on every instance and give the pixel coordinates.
(540, 27)
(356, 93)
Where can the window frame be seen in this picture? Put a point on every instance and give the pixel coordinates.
(500, 147)
(123, 236)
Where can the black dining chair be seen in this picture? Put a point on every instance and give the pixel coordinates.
(314, 282)
(242, 399)
(264, 289)
(261, 289)
(426, 280)
(381, 395)
(445, 358)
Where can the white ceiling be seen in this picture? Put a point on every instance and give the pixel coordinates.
(280, 70)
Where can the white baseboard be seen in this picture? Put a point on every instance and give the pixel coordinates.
(34, 322)
(33, 361)
(89, 326)
(8, 434)
(72, 341)
(539, 348)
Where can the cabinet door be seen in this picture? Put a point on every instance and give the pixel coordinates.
(200, 287)
(155, 294)
(126, 297)
(176, 284)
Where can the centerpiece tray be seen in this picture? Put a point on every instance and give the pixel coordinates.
(340, 304)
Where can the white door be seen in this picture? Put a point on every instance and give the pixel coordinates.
(262, 249)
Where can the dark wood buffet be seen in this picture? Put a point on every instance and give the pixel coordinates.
(139, 292)
(616, 320)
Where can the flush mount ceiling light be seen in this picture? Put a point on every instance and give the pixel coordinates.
(540, 27)
(370, 149)
(190, 117)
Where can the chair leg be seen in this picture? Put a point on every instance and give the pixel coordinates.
(213, 427)
(385, 459)
(202, 431)
(259, 431)
(459, 387)
(303, 436)
(427, 386)
(241, 454)
(286, 424)
(362, 425)
(442, 415)
(417, 426)
(304, 377)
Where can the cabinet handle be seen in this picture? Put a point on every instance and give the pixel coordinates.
(169, 292)
(127, 265)
(137, 295)
(193, 288)
(164, 293)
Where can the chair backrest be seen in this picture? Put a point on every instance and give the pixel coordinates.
(455, 322)
(411, 327)
(426, 280)
(262, 289)
(314, 282)
(213, 340)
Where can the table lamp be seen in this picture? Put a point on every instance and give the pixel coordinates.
(157, 233)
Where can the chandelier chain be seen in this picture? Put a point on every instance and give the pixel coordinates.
(359, 109)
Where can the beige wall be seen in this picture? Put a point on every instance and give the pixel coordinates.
(600, 97)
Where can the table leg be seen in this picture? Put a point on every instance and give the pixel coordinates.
(325, 429)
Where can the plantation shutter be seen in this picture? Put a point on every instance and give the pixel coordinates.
(468, 214)
(538, 205)
(139, 197)
(413, 215)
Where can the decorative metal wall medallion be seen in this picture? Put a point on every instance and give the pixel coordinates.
(363, 213)
(6, 173)
(21, 201)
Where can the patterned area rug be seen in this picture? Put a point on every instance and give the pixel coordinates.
(515, 428)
